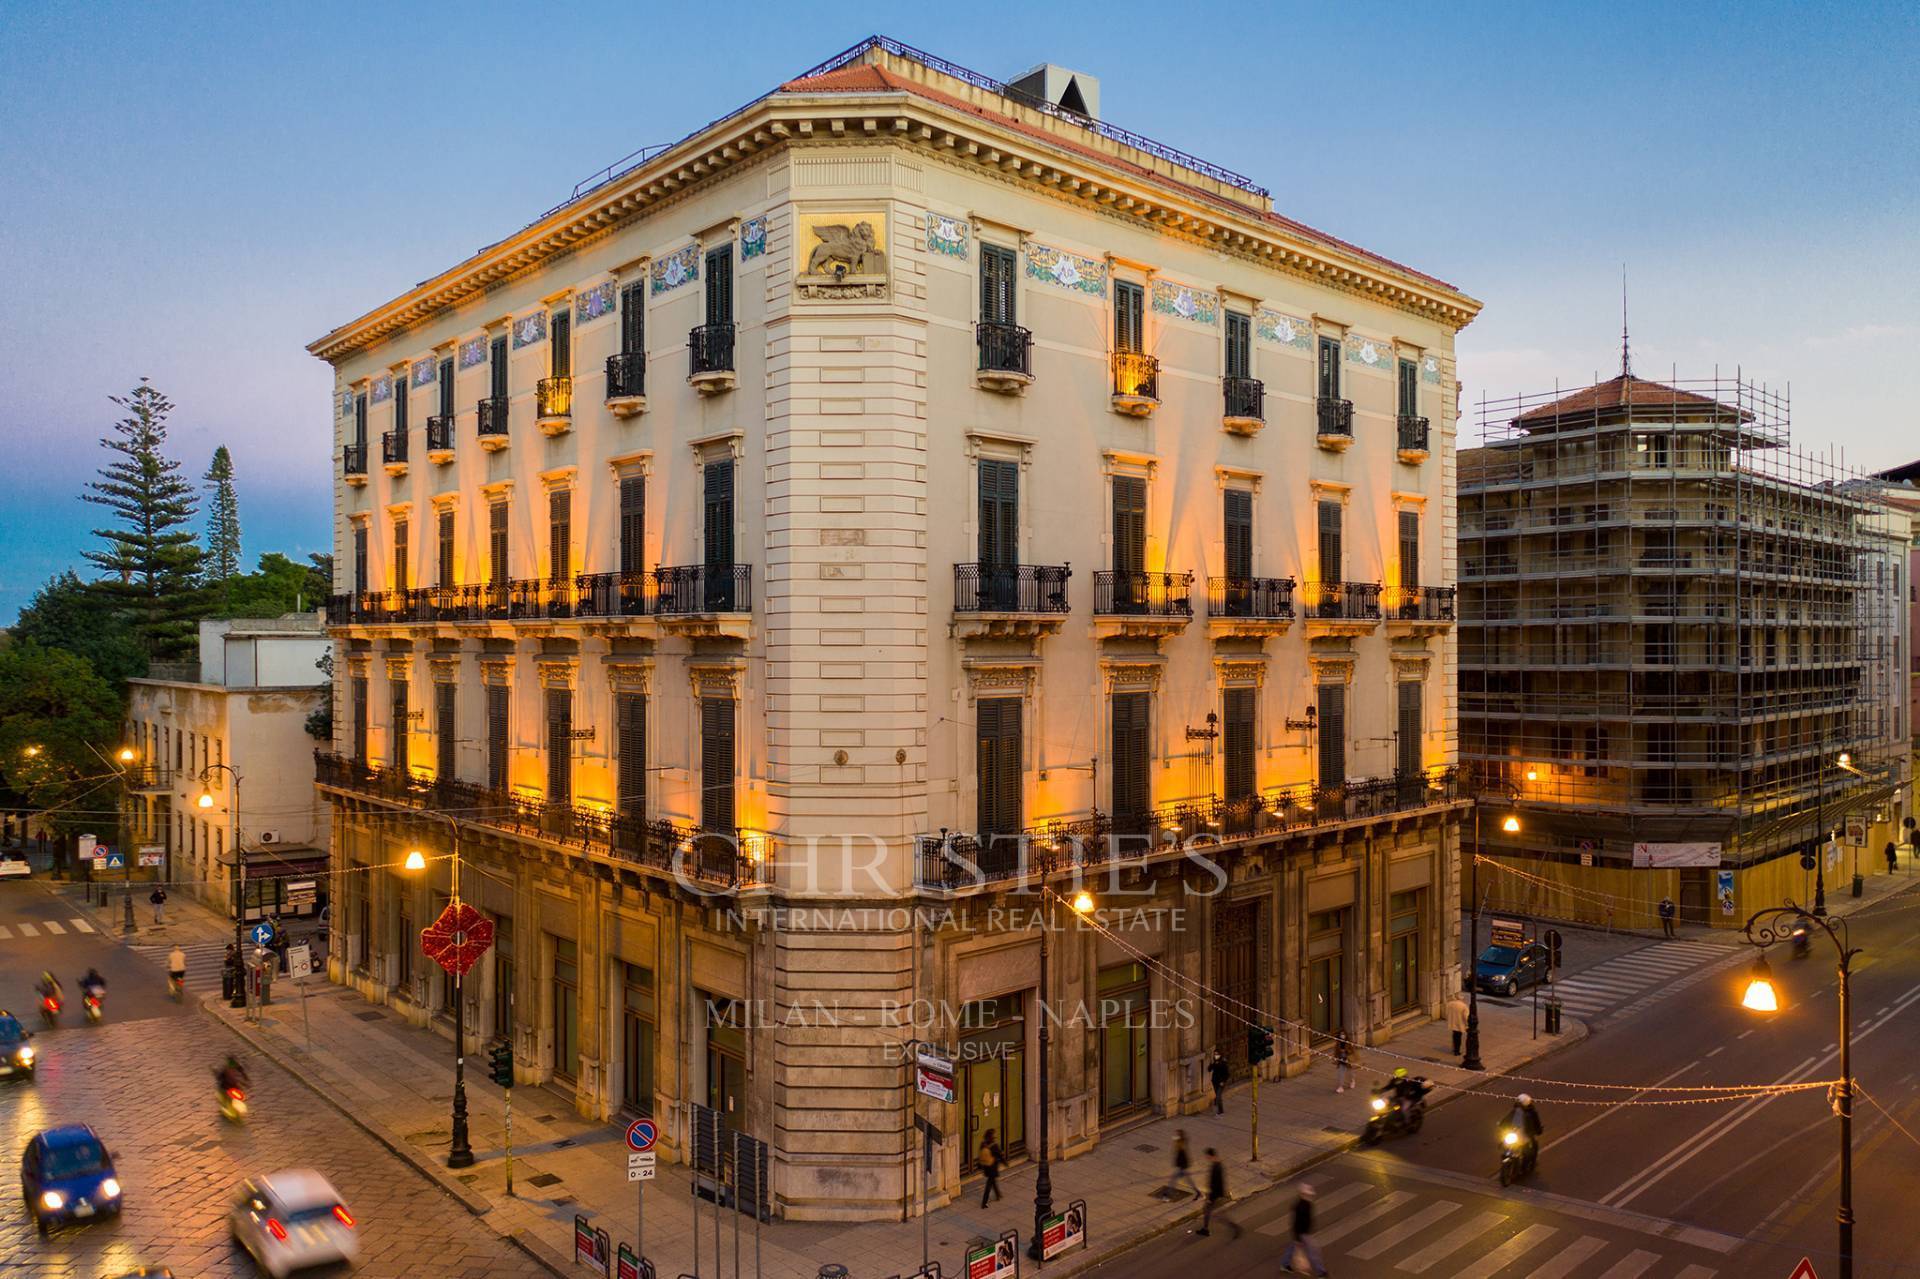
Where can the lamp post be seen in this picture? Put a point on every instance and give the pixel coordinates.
(1763, 929)
(1043, 1180)
(1470, 1058)
(239, 997)
(1842, 760)
(460, 1153)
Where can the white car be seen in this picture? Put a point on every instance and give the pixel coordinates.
(291, 1220)
(14, 866)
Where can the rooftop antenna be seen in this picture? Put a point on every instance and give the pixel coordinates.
(1626, 365)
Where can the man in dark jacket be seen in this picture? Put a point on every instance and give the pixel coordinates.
(1216, 1195)
(1666, 916)
(1218, 1074)
(1304, 1258)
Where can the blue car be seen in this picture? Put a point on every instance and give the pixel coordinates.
(66, 1174)
(1508, 970)
(16, 1054)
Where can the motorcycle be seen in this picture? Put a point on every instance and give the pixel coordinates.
(176, 987)
(50, 1010)
(95, 1001)
(1800, 941)
(1517, 1155)
(1388, 1118)
(233, 1104)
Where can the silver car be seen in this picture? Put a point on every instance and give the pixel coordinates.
(291, 1220)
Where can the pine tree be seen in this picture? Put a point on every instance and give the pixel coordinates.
(223, 524)
(151, 563)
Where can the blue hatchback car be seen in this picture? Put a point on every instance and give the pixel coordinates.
(66, 1174)
(1508, 970)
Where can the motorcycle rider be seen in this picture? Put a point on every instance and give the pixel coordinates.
(1405, 1091)
(49, 986)
(1525, 1120)
(232, 1075)
(94, 984)
(177, 966)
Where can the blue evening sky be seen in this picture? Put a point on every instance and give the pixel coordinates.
(192, 192)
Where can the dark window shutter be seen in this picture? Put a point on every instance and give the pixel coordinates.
(497, 743)
(358, 692)
(560, 746)
(633, 524)
(718, 526)
(631, 709)
(1330, 566)
(716, 764)
(446, 388)
(446, 743)
(444, 531)
(720, 285)
(1333, 734)
(397, 689)
(1237, 741)
(999, 513)
(997, 275)
(400, 387)
(359, 559)
(1131, 792)
(633, 319)
(499, 368)
(1129, 305)
(360, 419)
(1239, 345)
(997, 737)
(1237, 520)
(1409, 388)
(559, 535)
(1329, 381)
(400, 555)
(560, 337)
(1407, 735)
(1409, 548)
(497, 543)
(1129, 524)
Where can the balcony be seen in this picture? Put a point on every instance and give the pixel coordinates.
(970, 863)
(553, 405)
(353, 464)
(1249, 607)
(1341, 608)
(1246, 405)
(611, 595)
(627, 383)
(1334, 423)
(705, 601)
(700, 860)
(1141, 605)
(710, 359)
(393, 452)
(490, 418)
(1412, 438)
(1009, 601)
(440, 440)
(1415, 610)
(148, 779)
(1136, 383)
(1006, 357)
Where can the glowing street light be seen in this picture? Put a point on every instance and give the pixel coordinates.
(1082, 902)
(416, 860)
(205, 800)
(1511, 825)
(1760, 996)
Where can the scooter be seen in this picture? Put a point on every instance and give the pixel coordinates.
(1388, 1118)
(1800, 940)
(95, 1002)
(176, 987)
(233, 1105)
(1517, 1155)
(50, 1010)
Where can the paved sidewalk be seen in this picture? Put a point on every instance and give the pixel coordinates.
(186, 922)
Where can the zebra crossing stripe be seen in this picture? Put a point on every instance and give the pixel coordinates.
(1347, 1225)
(28, 930)
(53, 928)
(1696, 1272)
(1324, 1202)
(1631, 1266)
(1396, 1235)
(1506, 1254)
(1451, 1242)
(80, 925)
(1564, 1262)
(6, 934)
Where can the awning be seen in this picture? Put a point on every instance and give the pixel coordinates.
(305, 863)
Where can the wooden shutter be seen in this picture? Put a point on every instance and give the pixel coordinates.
(1407, 729)
(716, 764)
(560, 336)
(1129, 305)
(999, 513)
(1130, 750)
(1329, 379)
(997, 752)
(559, 535)
(997, 276)
(633, 524)
(358, 692)
(497, 743)
(401, 554)
(444, 537)
(1409, 549)
(497, 543)
(1331, 564)
(720, 285)
(631, 712)
(446, 743)
(446, 388)
(1237, 741)
(560, 746)
(1129, 524)
(498, 367)
(397, 689)
(1239, 345)
(718, 526)
(359, 559)
(1236, 510)
(1409, 388)
(360, 419)
(400, 386)
(1332, 733)
(633, 319)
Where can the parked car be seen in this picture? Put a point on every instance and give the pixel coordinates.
(291, 1220)
(15, 866)
(1508, 970)
(66, 1174)
(16, 1054)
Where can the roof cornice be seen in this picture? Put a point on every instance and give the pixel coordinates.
(784, 119)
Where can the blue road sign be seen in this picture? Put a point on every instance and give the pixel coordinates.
(641, 1135)
(116, 861)
(262, 934)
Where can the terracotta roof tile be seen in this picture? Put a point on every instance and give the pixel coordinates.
(1620, 392)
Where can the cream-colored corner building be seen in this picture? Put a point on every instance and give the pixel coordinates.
(899, 456)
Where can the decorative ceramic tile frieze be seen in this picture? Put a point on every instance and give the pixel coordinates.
(753, 238)
(346, 402)
(1374, 354)
(425, 371)
(1430, 369)
(1068, 270)
(382, 389)
(948, 235)
(1282, 329)
(530, 330)
(676, 269)
(592, 304)
(1185, 303)
(473, 351)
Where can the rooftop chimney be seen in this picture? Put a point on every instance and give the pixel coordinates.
(1074, 91)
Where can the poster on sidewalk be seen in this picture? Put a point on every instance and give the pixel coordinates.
(153, 855)
(1723, 888)
(999, 1259)
(591, 1247)
(1856, 832)
(629, 1264)
(1064, 1231)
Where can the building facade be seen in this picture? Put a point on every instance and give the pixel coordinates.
(1682, 654)
(260, 683)
(788, 551)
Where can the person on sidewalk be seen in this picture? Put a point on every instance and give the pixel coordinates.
(1893, 858)
(1304, 1257)
(1457, 1020)
(1342, 1063)
(1666, 916)
(1216, 1196)
(989, 1158)
(159, 899)
(1217, 1075)
(1182, 1166)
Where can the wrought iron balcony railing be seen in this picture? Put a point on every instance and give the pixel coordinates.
(490, 418)
(626, 375)
(1246, 398)
(1335, 417)
(1004, 348)
(1351, 601)
(1254, 598)
(353, 459)
(1136, 375)
(1010, 588)
(611, 595)
(553, 397)
(1420, 603)
(1413, 433)
(1143, 594)
(710, 349)
(439, 435)
(703, 588)
(393, 446)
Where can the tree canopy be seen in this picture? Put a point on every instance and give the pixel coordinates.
(74, 616)
(57, 717)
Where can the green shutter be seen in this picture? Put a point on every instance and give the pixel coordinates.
(1237, 740)
(397, 690)
(560, 746)
(446, 744)
(720, 285)
(997, 751)
(498, 368)
(497, 744)
(1331, 566)
(1329, 379)
(999, 513)
(633, 524)
(1239, 345)
(631, 709)
(1236, 511)
(400, 555)
(560, 342)
(559, 534)
(1129, 524)
(1129, 305)
(1409, 549)
(497, 543)
(997, 275)
(717, 765)
(633, 320)
(1407, 737)
(446, 388)
(1409, 389)
(444, 534)
(1131, 747)
(1332, 733)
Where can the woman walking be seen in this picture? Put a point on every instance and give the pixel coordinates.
(990, 1160)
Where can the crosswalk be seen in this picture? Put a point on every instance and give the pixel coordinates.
(1427, 1232)
(26, 930)
(1652, 972)
(204, 960)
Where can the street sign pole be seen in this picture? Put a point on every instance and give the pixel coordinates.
(1256, 1112)
(509, 1093)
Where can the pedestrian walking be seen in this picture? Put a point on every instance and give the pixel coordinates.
(1342, 1063)
(1304, 1257)
(159, 899)
(989, 1158)
(1666, 916)
(1216, 1196)
(1893, 858)
(1457, 1020)
(1182, 1166)
(1218, 1074)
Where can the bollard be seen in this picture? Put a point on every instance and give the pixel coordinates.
(1859, 883)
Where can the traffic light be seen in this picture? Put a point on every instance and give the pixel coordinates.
(1806, 861)
(500, 1064)
(1259, 1044)
(1553, 947)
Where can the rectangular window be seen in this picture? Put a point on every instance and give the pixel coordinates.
(630, 710)
(1409, 389)
(566, 1009)
(497, 743)
(400, 554)
(1132, 789)
(1239, 345)
(1326, 963)
(1331, 566)
(359, 559)
(1327, 383)
(716, 764)
(360, 419)
(720, 285)
(400, 388)
(1407, 728)
(1409, 549)
(398, 690)
(1129, 523)
(717, 527)
(1236, 517)
(560, 747)
(999, 515)
(997, 750)
(1129, 317)
(998, 271)
(498, 367)
(560, 344)
(1236, 741)
(445, 743)
(357, 692)
(1332, 733)
(446, 388)
(560, 535)
(1404, 913)
(633, 524)
(443, 537)
(497, 542)
(503, 977)
(633, 319)
(637, 1038)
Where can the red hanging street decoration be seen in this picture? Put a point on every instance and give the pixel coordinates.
(457, 939)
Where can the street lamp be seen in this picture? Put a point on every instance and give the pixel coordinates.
(1470, 1059)
(239, 997)
(1842, 760)
(460, 1154)
(1081, 904)
(1763, 929)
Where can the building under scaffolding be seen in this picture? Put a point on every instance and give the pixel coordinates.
(1676, 633)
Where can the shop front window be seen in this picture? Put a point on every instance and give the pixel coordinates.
(1124, 1037)
(992, 1065)
(1326, 961)
(1404, 913)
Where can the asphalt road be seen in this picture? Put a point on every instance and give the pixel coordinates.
(1690, 1189)
(143, 1079)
